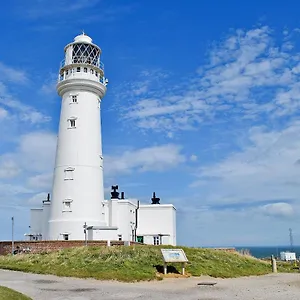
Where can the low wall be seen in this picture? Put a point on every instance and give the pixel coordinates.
(48, 246)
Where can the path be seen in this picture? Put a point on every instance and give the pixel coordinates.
(47, 287)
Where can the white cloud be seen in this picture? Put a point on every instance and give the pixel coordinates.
(37, 199)
(193, 157)
(37, 151)
(39, 8)
(278, 209)
(8, 167)
(266, 168)
(248, 74)
(41, 181)
(22, 112)
(3, 114)
(12, 75)
(156, 158)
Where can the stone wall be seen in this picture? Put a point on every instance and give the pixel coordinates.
(48, 246)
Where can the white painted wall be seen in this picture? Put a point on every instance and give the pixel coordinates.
(288, 256)
(103, 234)
(78, 149)
(36, 221)
(156, 220)
(126, 219)
(45, 219)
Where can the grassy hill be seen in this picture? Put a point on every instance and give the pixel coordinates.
(8, 294)
(133, 263)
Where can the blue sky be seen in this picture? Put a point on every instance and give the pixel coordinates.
(202, 107)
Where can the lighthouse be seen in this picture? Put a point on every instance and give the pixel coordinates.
(77, 191)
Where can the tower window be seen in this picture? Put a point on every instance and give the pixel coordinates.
(72, 123)
(65, 237)
(96, 73)
(67, 205)
(74, 98)
(92, 71)
(69, 173)
(78, 69)
(85, 70)
(67, 72)
(120, 237)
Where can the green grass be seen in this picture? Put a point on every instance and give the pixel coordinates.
(132, 263)
(8, 294)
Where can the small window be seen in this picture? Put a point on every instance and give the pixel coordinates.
(67, 205)
(67, 72)
(78, 69)
(156, 240)
(65, 237)
(74, 98)
(140, 239)
(69, 173)
(96, 73)
(85, 70)
(120, 237)
(72, 123)
(92, 71)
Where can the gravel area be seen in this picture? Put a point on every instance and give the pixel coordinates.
(47, 287)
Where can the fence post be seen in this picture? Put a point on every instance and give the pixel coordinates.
(274, 264)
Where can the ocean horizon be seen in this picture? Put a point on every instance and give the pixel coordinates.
(268, 251)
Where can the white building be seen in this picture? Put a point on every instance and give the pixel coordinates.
(287, 256)
(78, 191)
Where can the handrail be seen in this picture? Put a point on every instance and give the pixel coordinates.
(98, 64)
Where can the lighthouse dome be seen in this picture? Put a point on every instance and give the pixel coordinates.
(83, 38)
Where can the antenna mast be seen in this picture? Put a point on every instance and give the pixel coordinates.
(291, 239)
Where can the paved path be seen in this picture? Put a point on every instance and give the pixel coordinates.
(47, 287)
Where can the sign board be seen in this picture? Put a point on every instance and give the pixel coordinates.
(174, 256)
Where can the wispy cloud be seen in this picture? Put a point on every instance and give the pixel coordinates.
(23, 113)
(66, 12)
(266, 168)
(37, 9)
(248, 74)
(155, 158)
(12, 75)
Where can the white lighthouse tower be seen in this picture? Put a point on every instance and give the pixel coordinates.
(78, 193)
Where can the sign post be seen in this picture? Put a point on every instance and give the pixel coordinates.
(174, 256)
(12, 235)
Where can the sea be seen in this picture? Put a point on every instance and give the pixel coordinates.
(265, 252)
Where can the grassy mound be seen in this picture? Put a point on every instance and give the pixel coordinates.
(132, 263)
(8, 294)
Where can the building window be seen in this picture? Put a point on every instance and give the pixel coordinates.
(65, 237)
(120, 237)
(78, 69)
(156, 240)
(69, 174)
(96, 73)
(140, 239)
(67, 72)
(85, 70)
(92, 71)
(67, 205)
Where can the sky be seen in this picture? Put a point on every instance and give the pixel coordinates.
(201, 107)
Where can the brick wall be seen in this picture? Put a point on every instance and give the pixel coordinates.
(48, 246)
